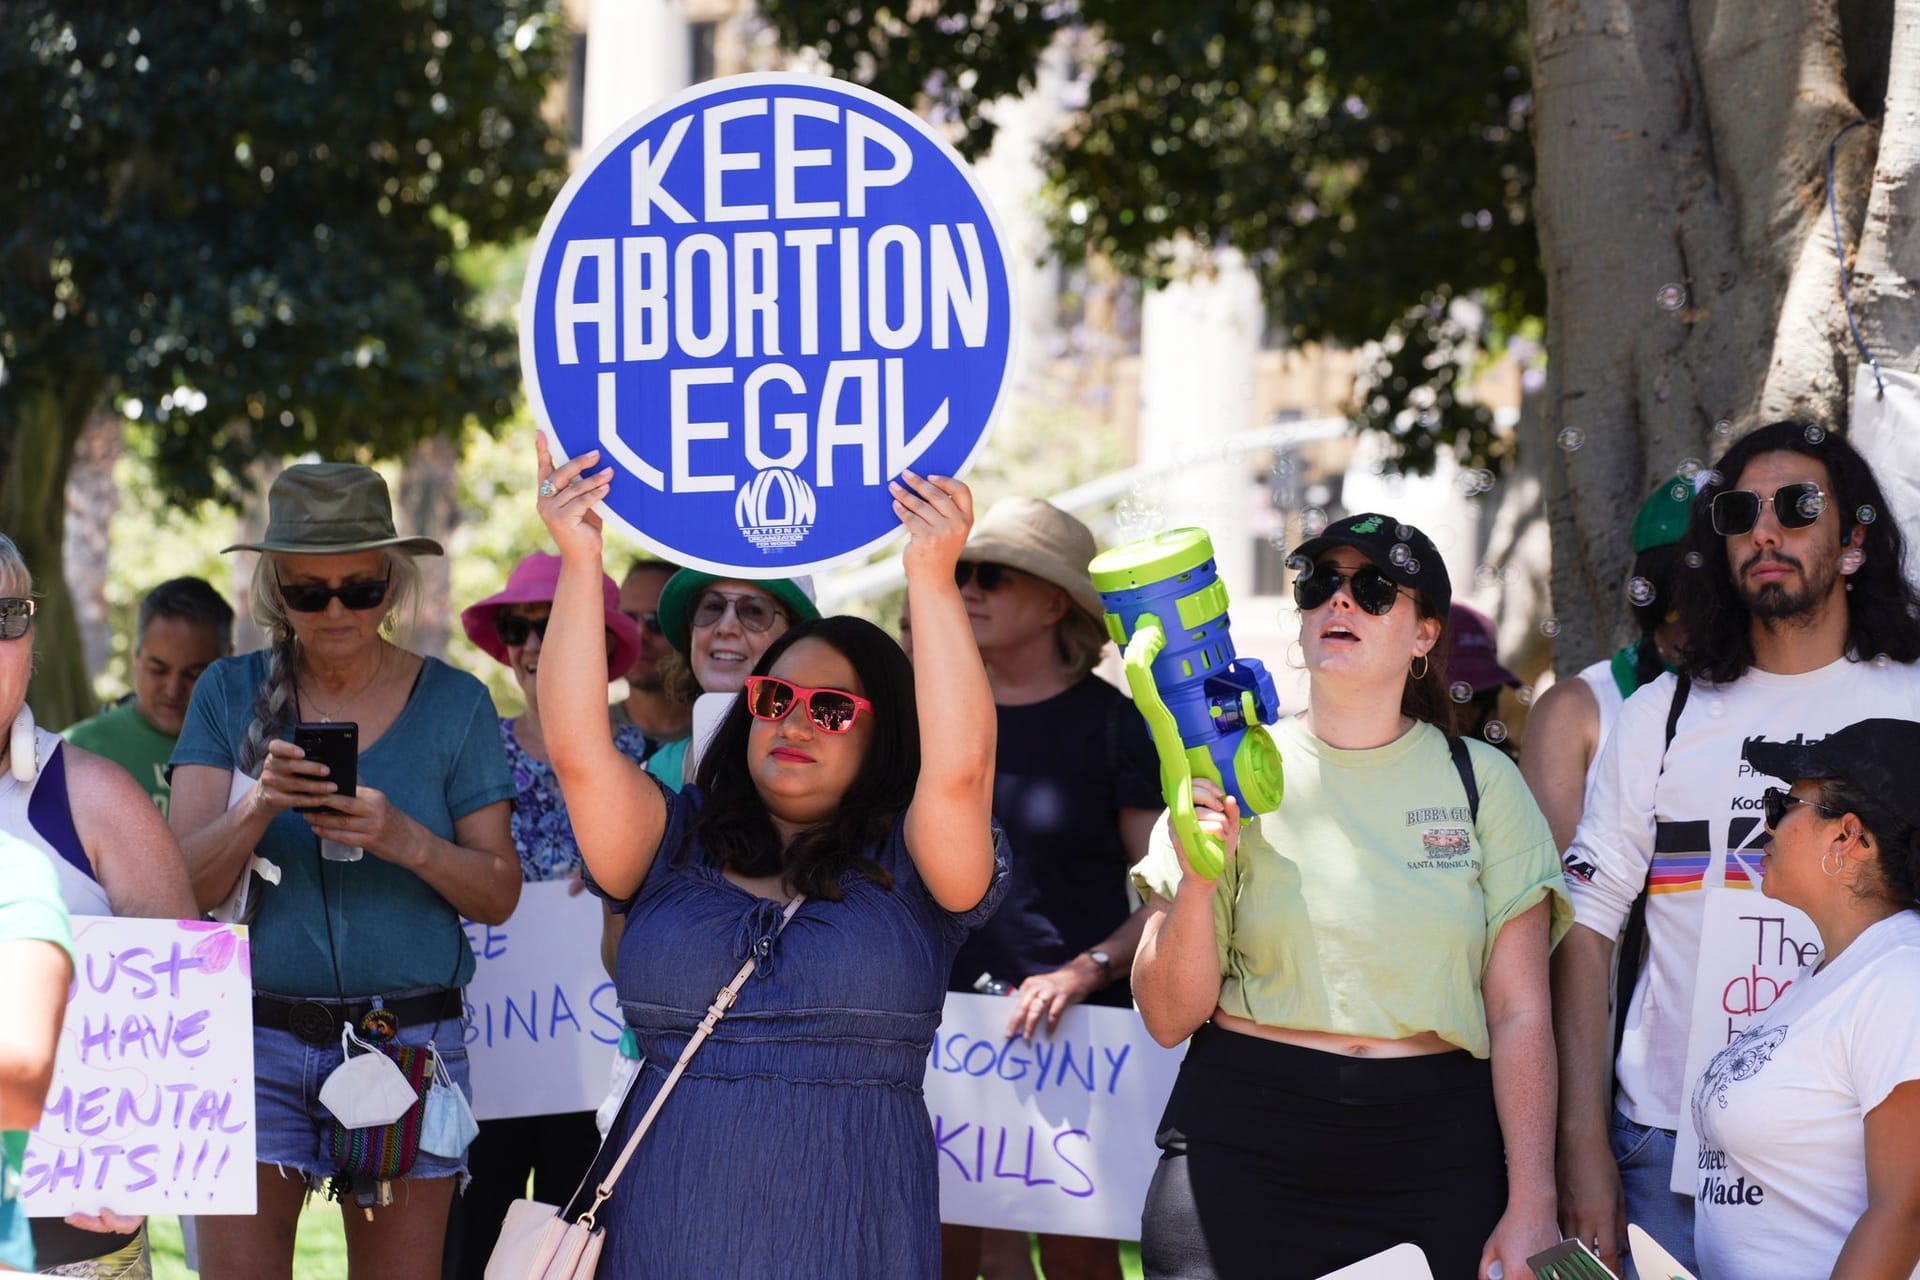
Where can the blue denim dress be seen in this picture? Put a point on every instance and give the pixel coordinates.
(797, 1143)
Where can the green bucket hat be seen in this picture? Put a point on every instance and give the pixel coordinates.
(684, 587)
(1663, 517)
(332, 508)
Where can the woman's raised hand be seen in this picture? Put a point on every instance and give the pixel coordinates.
(937, 513)
(567, 494)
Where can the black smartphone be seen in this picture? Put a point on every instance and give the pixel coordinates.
(337, 746)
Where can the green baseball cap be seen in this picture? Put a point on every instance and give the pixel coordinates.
(1664, 516)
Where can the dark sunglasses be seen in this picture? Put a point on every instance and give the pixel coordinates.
(831, 710)
(1371, 589)
(648, 621)
(1795, 506)
(307, 597)
(756, 613)
(16, 617)
(988, 574)
(513, 630)
(1775, 801)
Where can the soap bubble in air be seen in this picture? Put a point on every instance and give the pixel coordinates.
(1671, 297)
(1571, 439)
(1460, 691)
(1641, 590)
(1550, 627)
(1866, 515)
(1815, 433)
(1495, 732)
(1399, 554)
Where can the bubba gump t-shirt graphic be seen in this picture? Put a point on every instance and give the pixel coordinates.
(1445, 839)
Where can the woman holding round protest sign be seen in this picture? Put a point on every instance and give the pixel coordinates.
(838, 845)
(1365, 984)
(510, 626)
(1810, 1118)
(363, 849)
(112, 854)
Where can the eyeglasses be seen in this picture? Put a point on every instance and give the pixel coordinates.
(1795, 506)
(1371, 589)
(648, 621)
(988, 574)
(756, 613)
(513, 629)
(16, 617)
(831, 710)
(1774, 802)
(310, 597)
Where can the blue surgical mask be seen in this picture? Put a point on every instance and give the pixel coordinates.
(447, 1125)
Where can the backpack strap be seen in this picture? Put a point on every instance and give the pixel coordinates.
(1633, 939)
(1463, 765)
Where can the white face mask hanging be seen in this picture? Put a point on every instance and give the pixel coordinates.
(367, 1090)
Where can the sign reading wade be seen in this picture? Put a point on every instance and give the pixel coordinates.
(761, 301)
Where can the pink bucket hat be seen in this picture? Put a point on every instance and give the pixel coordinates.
(532, 582)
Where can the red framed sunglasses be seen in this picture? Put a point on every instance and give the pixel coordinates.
(831, 710)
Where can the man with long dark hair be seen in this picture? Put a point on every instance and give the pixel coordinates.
(1798, 621)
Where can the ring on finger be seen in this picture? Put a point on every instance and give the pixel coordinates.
(546, 488)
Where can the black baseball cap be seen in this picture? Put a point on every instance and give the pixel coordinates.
(1375, 536)
(1874, 757)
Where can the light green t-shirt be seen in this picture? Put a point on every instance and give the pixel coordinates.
(1367, 904)
(123, 736)
(30, 911)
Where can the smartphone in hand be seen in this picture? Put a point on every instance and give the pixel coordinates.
(337, 746)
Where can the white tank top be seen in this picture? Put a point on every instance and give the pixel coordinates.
(39, 813)
(1606, 696)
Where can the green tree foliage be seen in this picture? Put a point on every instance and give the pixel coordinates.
(1371, 160)
(238, 220)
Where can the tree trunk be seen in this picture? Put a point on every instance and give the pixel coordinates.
(1691, 288)
(34, 463)
(1886, 301)
(92, 498)
(429, 504)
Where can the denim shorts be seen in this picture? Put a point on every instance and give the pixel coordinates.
(290, 1125)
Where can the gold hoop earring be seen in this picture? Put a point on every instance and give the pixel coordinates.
(1302, 664)
(1425, 667)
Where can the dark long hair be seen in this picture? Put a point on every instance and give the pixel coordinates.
(1661, 567)
(1883, 613)
(734, 826)
(1425, 697)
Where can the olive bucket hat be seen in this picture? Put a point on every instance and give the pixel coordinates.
(332, 508)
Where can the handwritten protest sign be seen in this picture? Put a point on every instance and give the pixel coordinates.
(1053, 1135)
(761, 300)
(151, 1109)
(1751, 949)
(542, 1020)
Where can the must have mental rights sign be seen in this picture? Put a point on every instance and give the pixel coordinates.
(761, 300)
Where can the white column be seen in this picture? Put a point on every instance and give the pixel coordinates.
(637, 53)
(1198, 340)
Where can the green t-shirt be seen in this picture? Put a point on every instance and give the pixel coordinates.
(123, 736)
(1367, 904)
(30, 911)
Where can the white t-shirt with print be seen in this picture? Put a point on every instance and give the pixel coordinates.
(1782, 1111)
(1669, 829)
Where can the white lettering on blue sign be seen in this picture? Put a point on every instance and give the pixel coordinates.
(762, 300)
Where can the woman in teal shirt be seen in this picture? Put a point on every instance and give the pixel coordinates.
(36, 954)
(371, 887)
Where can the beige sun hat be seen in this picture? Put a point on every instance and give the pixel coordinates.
(1038, 538)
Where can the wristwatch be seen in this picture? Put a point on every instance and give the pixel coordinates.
(1102, 959)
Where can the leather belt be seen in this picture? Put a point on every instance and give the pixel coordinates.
(318, 1022)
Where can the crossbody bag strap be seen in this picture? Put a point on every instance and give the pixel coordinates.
(715, 1011)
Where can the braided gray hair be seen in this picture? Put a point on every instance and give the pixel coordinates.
(274, 705)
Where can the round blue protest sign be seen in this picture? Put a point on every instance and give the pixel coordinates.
(762, 300)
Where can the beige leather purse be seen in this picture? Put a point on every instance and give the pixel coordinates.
(536, 1242)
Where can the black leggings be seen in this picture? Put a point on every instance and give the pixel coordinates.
(1280, 1162)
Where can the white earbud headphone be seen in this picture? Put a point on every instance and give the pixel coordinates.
(24, 746)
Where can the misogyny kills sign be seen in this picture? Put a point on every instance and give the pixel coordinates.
(761, 300)
(151, 1109)
(1050, 1135)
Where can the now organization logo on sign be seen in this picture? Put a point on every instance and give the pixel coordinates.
(761, 300)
